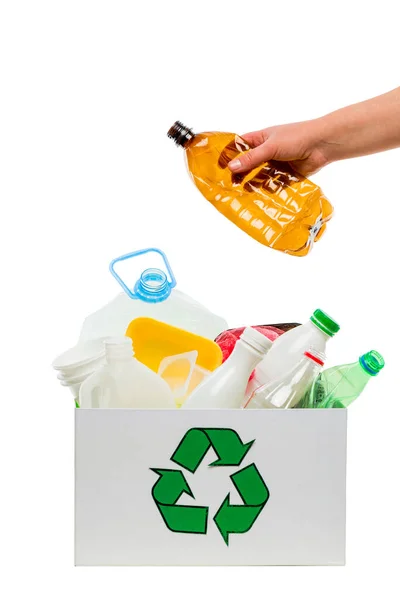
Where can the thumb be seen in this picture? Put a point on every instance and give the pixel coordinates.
(253, 158)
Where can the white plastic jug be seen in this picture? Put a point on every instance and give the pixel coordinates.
(288, 349)
(153, 295)
(124, 382)
(226, 386)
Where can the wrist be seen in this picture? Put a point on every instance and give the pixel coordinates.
(345, 132)
(320, 138)
(329, 137)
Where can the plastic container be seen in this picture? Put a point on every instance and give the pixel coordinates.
(339, 386)
(198, 376)
(272, 203)
(124, 382)
(226, 387)
(177, 371)
(153, 295)
(154, 341)
(290, 389)
(289, 348)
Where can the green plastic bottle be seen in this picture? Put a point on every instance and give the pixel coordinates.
(338, 387)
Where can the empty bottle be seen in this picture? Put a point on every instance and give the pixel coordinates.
(226, 386)
(338, 387)
(287, 391)
(274, 205)
(124, 382)
(289, 348)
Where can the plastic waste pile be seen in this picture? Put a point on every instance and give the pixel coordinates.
(154, 347)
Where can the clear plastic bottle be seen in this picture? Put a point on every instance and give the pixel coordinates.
(339, 386)
(274, 205)
(287, 391)
(226, 386)
(289, 348)
(124, 382)
(153, 295)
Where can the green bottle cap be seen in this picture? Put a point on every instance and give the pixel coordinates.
(324, 322)
(372, 362)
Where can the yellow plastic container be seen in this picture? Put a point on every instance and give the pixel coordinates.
(153, 341)
(274, 205)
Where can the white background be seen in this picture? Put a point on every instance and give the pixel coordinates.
(88, 91)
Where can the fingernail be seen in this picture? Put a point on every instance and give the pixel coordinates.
(234, 165)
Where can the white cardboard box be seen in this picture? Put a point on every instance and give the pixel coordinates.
(287, 489)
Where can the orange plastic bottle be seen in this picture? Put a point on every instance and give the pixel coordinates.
(274, 205)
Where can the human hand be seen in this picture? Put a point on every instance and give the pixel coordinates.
(299, 144)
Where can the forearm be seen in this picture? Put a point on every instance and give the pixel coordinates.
(360, 129)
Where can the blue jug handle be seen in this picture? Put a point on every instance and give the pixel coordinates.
(127, 290)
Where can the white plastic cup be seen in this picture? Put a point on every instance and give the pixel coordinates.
(76, 364)
(74, 384)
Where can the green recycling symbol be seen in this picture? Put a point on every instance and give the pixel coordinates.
(229, 518)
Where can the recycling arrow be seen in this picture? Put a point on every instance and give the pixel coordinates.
(171, 485)
(180, 518)
(195, 444)
(233, 518)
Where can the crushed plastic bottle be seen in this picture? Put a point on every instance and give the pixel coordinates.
(272, 203)
(338, 387)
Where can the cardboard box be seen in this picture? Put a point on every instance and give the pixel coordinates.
(275, 494)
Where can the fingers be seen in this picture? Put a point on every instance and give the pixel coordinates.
(255, 138)
(253, 158)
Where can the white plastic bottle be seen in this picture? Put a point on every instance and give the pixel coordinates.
(124, 382)
(287, 391)
(226, 386)
(288, 349)
(153, 295)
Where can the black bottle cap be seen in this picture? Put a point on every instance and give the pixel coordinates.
(180, 134)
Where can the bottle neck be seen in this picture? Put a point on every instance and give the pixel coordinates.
(153, 286)
(181, 134)
(362, 377)
(325, 335)
(245, 356)
(118, 350)
(372, 362)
